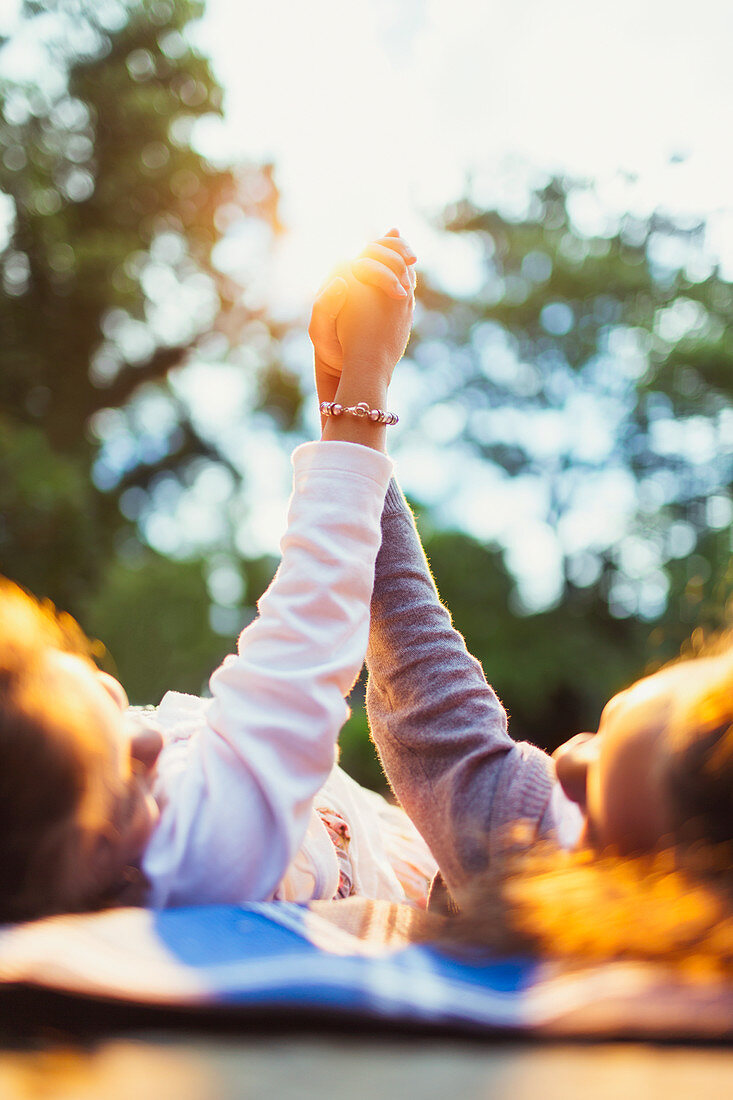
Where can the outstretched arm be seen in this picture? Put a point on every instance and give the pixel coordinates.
(236, 798)
(440, 729)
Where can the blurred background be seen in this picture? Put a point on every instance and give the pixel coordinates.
(176, 178)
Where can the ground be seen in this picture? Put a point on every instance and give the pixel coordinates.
(192, 1066)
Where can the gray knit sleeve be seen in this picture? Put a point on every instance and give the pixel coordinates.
(439, 728)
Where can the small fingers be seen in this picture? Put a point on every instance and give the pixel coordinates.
(413, 282)
(391, 259)
(393, 240)
(375, 273)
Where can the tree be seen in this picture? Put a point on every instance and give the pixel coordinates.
(110, 282)
(553, 670)
(595, 355)
(592, 355)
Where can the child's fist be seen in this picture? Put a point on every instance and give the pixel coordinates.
(385, 265)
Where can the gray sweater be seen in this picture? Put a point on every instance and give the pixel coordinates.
(439, 728)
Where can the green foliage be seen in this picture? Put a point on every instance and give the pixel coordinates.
(96, 176)
(622, 331)
(153, 617)
(616, 333)
(46, 501)
(701, 599)
(357, 754)
(553, 670)
(108, 273)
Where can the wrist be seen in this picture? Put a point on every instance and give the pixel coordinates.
(348, 429)
(364, 429)
(352, 389)
(366, 372)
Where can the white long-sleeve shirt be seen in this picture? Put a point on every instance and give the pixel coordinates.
(238, 775)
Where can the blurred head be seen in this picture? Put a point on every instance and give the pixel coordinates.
(75, 810)
(659, 771)
(652, 878)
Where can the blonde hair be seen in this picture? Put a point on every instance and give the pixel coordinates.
(583, 908)
(43, 774)
(674, 905)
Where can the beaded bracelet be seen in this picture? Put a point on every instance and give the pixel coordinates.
(360, 411)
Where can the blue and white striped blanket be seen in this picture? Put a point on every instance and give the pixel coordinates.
(278, 956)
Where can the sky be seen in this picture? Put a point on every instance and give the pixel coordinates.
(379, 112)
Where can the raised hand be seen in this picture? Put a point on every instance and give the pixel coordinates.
(359, 327)
(386, 264)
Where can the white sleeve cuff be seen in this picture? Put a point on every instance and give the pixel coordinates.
(334, 454)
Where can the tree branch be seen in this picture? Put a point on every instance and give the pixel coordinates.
(192, 445)
(130, 378)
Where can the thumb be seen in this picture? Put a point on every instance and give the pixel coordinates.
(326, 308)
(333, 296)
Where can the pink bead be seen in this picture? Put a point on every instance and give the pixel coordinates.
(361, 411)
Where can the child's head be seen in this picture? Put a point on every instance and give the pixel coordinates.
(653, 876)
(660, 768)
(74, 811)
